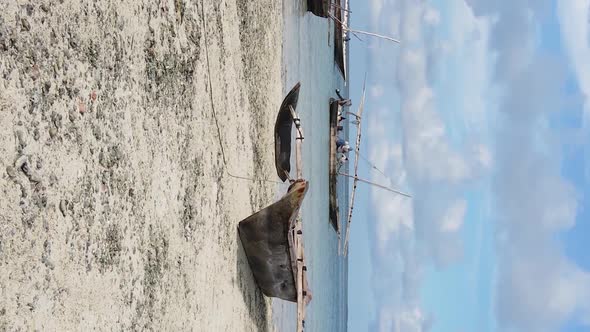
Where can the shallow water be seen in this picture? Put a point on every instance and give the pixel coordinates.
(308, 57)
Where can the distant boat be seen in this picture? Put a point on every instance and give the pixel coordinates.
(339, 35)
(333, 167)
(355, 177)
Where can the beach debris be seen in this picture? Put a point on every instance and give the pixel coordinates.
(63, 207)
(283, 130)
(81, 107)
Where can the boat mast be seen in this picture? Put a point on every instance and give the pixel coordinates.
(355, 177)
(356, 166)
(376, 185)
(355, 32)
(296, 234)
(371, 34)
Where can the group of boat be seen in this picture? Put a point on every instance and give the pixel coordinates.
(272, 238)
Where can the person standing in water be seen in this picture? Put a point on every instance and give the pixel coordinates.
(343, 159)
(340, 142)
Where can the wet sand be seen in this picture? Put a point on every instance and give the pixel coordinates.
(115, 209)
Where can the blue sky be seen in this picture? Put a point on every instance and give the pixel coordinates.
(481, 114)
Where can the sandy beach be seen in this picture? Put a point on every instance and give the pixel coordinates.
(116, 212)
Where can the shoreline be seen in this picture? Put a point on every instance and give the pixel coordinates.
(118, 211)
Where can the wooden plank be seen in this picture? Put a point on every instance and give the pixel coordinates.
(298, 141)
(301, 288)
(300, 300)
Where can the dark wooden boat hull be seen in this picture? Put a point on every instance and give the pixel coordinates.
(265, 238)
(333, 167)
(339, 41)
(319, 8)
(283, 133)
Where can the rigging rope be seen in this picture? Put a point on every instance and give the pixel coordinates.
(226, 168)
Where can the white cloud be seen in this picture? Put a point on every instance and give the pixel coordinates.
(395, 212)
(429, 156)
(405, 319)
(538, 288)
(574, 21)
(376, 7)
(453, 219)
(483, 156)
(539, 291)
(376, 91)
(386, 319)
(431, 16)
(411, 320)
(419, 154)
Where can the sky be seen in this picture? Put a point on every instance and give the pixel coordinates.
(482, 114)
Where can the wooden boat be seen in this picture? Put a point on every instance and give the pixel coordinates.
(283, 131)
(333, 167)
(319, 8)
(339, 40)
(265, 238)
(355, 177)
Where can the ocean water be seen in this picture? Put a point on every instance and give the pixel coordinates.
(308, 57)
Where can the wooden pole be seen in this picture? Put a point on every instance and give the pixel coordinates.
(344, 28)
(300, 299)
(298, 230)
(338, 7)
(375, 184)
(298, 139)
(372, 34)
(335, 151)
(353, 114)
(354, 31)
